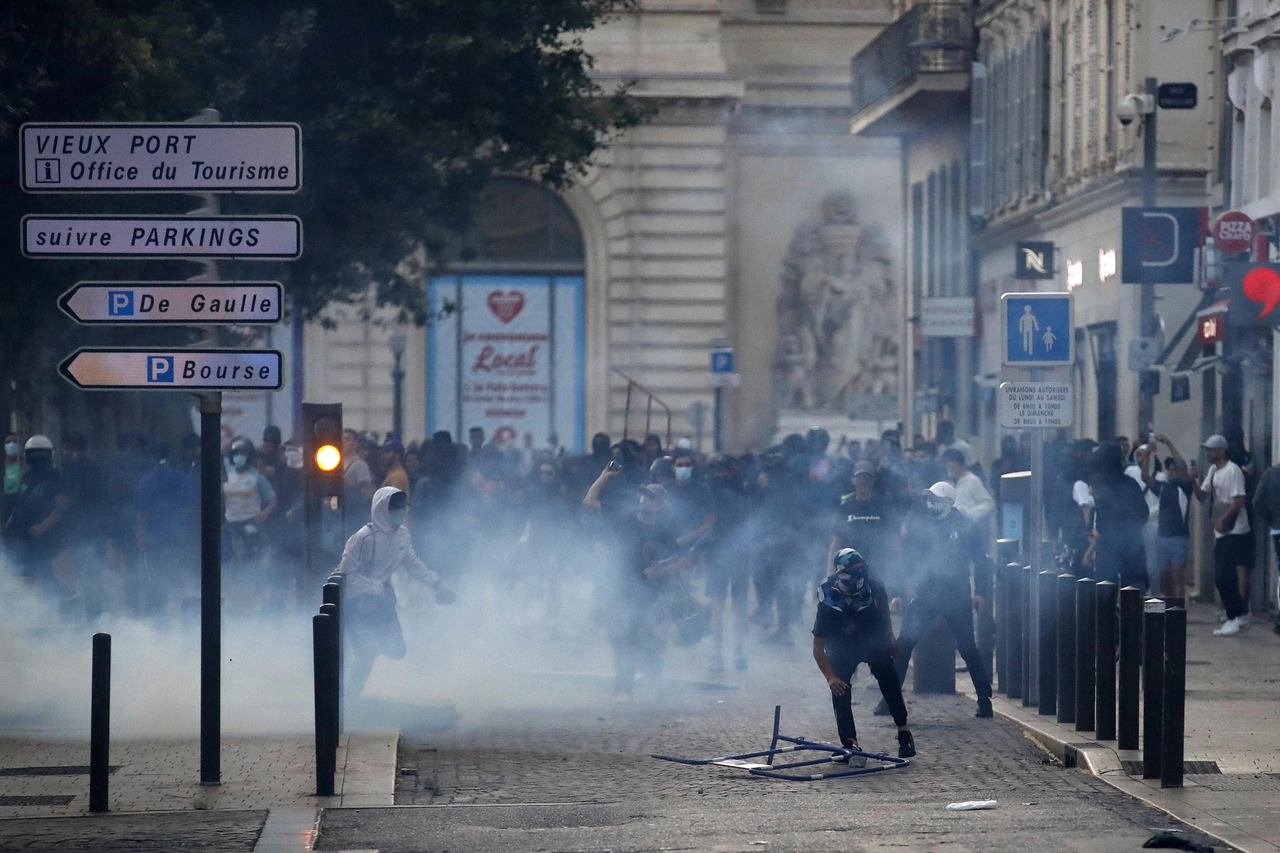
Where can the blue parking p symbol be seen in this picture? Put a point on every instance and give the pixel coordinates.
(120, 303)
(159, 368)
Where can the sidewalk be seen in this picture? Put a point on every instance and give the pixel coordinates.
(268, 785)
(1232, 720)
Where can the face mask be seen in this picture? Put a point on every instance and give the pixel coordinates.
(239, 460)
(683, 473)
(939, 508)
(38, 461)
(293, 458)
(11, 448)
(395, 518)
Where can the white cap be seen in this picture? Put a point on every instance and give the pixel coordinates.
(1215, 442)
(942, 490)
(39, 442)
(684, 444)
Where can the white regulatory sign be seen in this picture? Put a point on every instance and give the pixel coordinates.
(181, 157)
(152, 302)
(1035, 405)
(267, 237)
(161, 369)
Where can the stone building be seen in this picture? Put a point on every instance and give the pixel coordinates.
(743, 209)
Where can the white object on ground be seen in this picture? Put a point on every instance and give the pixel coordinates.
(972, 806)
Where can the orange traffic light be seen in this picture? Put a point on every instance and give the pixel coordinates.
(328, 457)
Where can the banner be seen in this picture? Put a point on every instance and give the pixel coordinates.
(505, 353)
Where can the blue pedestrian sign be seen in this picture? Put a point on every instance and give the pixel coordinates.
(1038, 329)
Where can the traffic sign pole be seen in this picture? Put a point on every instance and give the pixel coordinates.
(210, 588)
(1149, 324)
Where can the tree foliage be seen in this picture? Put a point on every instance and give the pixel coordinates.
(407, 107)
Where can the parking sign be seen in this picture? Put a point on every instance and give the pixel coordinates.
(1039, 329)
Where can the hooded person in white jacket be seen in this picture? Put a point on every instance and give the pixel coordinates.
(372, 555)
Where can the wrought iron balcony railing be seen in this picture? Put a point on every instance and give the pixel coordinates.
(931, 38)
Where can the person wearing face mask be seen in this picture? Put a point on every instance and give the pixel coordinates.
(34, 525)
(372, 555)
(12, 476)
(944, 547)
(248, 501)
(853, 627)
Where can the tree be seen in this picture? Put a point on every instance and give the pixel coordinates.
(407, 108)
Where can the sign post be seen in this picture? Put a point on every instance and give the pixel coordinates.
(722, 376)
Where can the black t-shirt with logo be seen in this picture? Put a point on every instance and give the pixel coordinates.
(867, 527)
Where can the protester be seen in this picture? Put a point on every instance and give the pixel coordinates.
(729, 548)
(973, 501)
(869, 523)
(391, 455)
(1173, 489)
(1117, 552)
(373, 554)
(12, 476)
(853, 627)
(1224, 489)
(248, 501)
(33, 529)
(357, 481)
(1266, 508)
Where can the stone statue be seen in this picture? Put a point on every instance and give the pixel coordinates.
(837, 314)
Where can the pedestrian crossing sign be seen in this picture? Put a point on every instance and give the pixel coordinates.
(1039, 329)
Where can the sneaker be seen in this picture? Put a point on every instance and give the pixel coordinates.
(984, 708)
(740, 661)
(1229, 628)
(847, 757)
(906, 745)
(882, 710)
(717, 664)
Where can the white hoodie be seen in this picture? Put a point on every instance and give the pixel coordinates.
(375, 551)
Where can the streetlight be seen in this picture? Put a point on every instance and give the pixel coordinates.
(396, 343)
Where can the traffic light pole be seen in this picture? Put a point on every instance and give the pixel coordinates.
(1149, 325)
(210, 587)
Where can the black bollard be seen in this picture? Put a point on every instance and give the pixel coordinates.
(100, 724)
(326, 745)
(1086, 654)
(1014, 635)
(331, 593)
(1129, 675)
(1066, 629)
(1000, 675)
(1029, 696)
(335, 669)
(1175, 696)
(1105, 660)
(1152, 687)
(1048, 643)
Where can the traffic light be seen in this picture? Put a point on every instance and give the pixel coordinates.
(322, 425)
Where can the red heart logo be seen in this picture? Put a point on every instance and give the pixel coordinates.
(505, 306)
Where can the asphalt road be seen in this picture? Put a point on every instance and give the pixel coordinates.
(568, 770)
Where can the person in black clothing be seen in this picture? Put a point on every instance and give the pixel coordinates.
(729, 548)
(34, 527)
(1174, 489)
(646, 553)
(1117, 553)
(945, 546)
(853, 627)
(866, 522)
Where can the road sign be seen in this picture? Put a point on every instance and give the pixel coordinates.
(1233, 232)
(180, 157)
(1035, 405)
(1176, 96)
(724, 380)
(1038, 329)
(154, 302)
(947, 317)
(1254, 294)
(1159, 244)
(1033, 261)
(166, 369)
(722, 360)
(264, 237)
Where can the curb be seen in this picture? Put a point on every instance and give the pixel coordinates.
(1075, 749)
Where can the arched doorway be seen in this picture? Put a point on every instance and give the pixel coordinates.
(506, 353)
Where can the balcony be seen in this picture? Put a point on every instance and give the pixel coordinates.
(918, 63)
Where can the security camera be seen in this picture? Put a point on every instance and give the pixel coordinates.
(1132, 106)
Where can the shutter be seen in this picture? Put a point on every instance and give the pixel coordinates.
(978, 141)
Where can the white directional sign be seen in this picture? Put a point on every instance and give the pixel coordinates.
(181, 157)
(266, 237)
(152, 302)
(1035, 405)
(161, 369)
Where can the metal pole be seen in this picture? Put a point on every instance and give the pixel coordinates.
(210, 587)
(1028, 641)
(100, 724)
(1048, 644)
(1175, 696)
(326, 749)
(1086, 653)
(1130, 666)
(1152, 687)
(1066, 629)
(1105, 661)
(331, 661)
(1148, 324)
(719, 420)
(397, 400)
(1017, 632)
